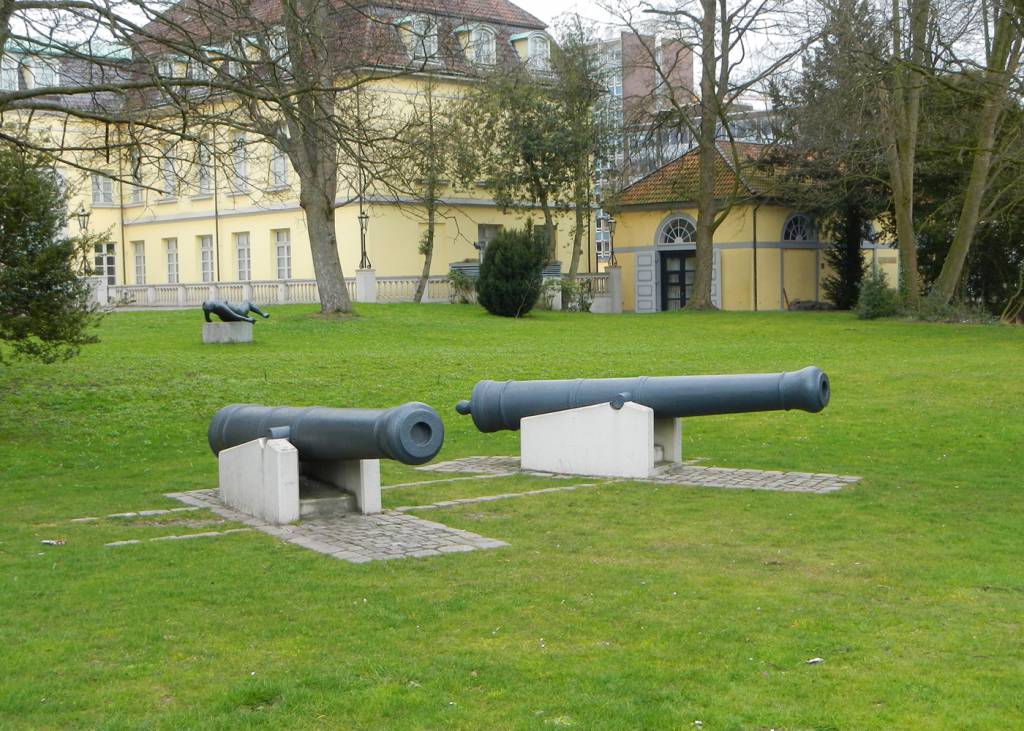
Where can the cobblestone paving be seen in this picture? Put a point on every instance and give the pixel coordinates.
(356, 538)
(682, 474)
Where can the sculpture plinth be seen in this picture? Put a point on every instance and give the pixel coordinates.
(221, 333)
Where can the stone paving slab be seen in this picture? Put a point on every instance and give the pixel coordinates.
(685, 473)
(356, 538)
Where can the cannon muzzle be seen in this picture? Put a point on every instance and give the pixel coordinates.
(411, 433)
(501, 405)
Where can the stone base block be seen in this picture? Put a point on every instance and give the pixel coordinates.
(227, 332)
(261, 478)
(600, 441)
(358, 477)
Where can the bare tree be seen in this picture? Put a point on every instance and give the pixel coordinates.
(1002, 56)
(726, 35)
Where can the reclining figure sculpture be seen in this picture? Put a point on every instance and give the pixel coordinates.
(501, 405)
(228, 312)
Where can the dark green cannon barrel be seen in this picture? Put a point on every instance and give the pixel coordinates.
(411, 433)
(500, 405)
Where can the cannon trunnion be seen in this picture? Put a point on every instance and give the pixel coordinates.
(498, 405)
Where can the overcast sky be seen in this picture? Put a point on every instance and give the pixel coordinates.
(549, 10)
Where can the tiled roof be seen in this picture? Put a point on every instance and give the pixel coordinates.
(496, 11)
(679, 180)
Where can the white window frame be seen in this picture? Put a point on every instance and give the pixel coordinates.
(206, 264)
(168, 175)
(283, 252)
(139, 255)
(243, 255)
(165, 67)
(538, 52)
(10, 73)
(239, 164)
(277, 46)
(171, 245)
(43, 72)
(105, 261)
(204, 171)
(423, 38)
(102, 190)
(669, 224)
(483, 45)
(803, 221)
(278, 168)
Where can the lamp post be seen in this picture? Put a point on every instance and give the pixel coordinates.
(83, 217)
(612, 261)
(364, 220)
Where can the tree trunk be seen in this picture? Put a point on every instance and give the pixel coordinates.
(323, 244)
(428, 253)
(706, 155)
(549, 226)
(582, 203)
(1003, 64)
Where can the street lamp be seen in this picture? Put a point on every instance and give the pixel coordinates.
(83, 217)
(612, 261)
(364, 220)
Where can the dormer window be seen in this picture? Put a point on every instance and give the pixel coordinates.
(165, 67)
(9, 73)
(482, 46)
(421, 39)
(277, 45)
(539, 52)
(44, 72)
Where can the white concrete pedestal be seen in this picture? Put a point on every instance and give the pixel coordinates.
(600, 441)
(261, 478)
(227, 332)
(366, 285)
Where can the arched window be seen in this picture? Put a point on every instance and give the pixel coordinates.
(538, 52)
(799, 228)
(421, 38)
(482, 46)
(677, 231)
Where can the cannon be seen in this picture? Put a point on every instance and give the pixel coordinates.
(411, 433)
(498, 405)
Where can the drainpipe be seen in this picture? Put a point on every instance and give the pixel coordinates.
(755, 255)
(216, 219)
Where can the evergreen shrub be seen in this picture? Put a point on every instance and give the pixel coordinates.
(510, 273)
(877, 298)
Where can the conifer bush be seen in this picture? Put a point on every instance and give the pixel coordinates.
(877, 298)
(510, 273)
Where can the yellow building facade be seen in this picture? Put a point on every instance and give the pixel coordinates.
(767, 255)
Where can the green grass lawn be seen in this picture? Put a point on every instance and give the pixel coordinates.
(622, 606)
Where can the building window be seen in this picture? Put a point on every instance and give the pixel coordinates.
(482, 46)
(602, 236)
(139, 252)
(283, 250)
(165, 67)
(678, 231)
(135, 172)
(204, 173)
(172, 260)
(277, 45)
(238, 163)
(206, 257)
(799, 228)
(44, 72)
(102, 190)
(538, 53)
(422, 40)
(104, 262)
(278, 168)
(10, 76)
(244, 256)
(168, 177)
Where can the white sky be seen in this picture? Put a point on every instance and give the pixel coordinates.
(549, 10)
